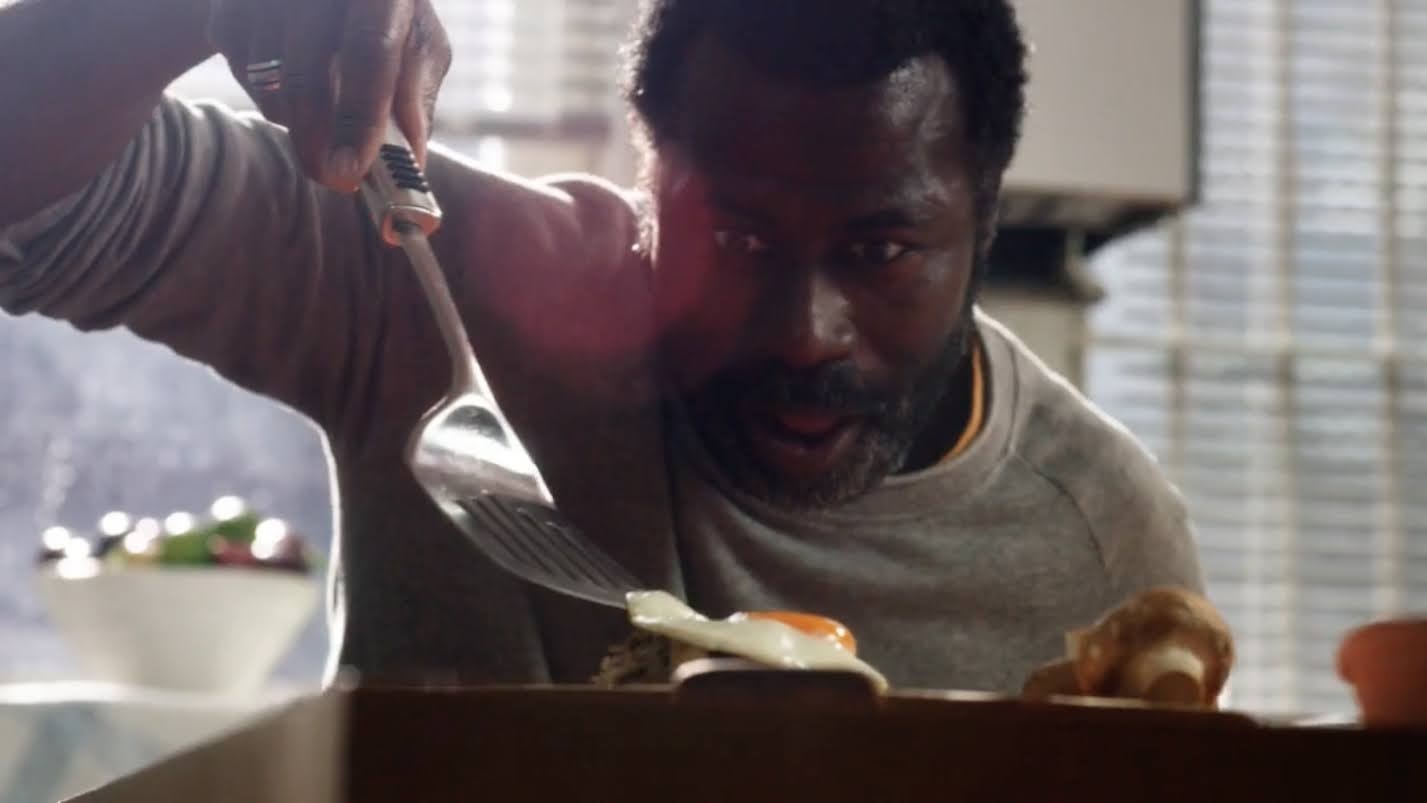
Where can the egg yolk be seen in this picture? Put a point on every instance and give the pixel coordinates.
(812, 625)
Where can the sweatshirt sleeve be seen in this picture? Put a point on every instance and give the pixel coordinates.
(1137, 518)
(205, 236)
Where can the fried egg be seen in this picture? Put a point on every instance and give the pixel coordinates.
(781, 640)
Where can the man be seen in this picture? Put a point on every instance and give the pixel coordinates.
(765, 385)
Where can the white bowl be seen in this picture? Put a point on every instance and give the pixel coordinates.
(209, 629)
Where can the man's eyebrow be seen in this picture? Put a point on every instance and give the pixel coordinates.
(729, 206)
(893, 211)
(897, 217)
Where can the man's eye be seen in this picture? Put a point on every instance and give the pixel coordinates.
(740, 242)
(876, 252)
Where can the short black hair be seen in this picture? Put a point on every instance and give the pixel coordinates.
(843, 42)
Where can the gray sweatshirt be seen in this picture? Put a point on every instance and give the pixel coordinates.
(205, 236)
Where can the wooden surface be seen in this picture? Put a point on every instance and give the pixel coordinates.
(830, 745)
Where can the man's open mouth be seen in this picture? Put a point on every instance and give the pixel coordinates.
(801, 441)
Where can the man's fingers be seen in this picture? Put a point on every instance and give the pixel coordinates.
(265, 69)
(335, 71)
(228, 31)
(428, 59)
(313, 34)
(409, 111)
(369, 62)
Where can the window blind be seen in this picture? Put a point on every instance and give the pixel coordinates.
(1269, 344)
(532, 70)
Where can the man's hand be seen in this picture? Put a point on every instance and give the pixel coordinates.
(346, 67)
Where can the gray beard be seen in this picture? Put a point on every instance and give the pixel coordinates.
(880, 451)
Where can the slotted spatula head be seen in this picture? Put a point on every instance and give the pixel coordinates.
(467, 459)
(464, 453)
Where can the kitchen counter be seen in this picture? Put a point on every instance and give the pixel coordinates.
(782, 736)
(61, 738)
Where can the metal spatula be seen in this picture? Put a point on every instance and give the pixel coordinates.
(464, 453)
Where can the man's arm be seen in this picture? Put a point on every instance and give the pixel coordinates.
(191, 226)
(1137, 518)
(201, 231)
(78, 80)
(204, 236)
(1158, 546)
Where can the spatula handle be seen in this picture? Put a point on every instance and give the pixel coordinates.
(396, 190)
(405, 211)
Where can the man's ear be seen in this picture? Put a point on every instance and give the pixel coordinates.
(641, 200)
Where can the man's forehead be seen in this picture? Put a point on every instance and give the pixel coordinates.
(915, 196)
(734, 117)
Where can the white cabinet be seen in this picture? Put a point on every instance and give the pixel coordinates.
(1113, 112)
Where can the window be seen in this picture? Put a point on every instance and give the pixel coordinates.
(531, 86)
(1269, 345)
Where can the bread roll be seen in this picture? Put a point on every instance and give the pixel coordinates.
(1165, 645)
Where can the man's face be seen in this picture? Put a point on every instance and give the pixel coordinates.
(813, 257)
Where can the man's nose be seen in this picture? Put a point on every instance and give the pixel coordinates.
(812, 326)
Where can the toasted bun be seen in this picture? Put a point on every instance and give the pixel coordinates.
(1165, 645)
(1054, 679)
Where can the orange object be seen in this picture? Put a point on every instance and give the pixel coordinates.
(812, 625)
(1386, 664)
(978, 408)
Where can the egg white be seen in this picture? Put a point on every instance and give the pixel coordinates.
(763, 641)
